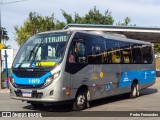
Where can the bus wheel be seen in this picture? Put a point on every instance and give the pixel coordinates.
(134, 90)
(36, 104)
(80, 102)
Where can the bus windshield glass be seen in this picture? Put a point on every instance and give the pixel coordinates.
(43, 50)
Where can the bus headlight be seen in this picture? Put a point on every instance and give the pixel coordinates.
(50, 79)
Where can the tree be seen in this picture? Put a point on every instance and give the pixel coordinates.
(157, 48)
(4, 36)
(126, 22)
(94, 16)
(34, 24)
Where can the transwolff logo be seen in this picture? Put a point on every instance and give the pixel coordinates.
(29, 69)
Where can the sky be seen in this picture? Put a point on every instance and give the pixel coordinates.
(143, 13)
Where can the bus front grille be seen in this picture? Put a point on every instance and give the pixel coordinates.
(29, 86)
(28, 74)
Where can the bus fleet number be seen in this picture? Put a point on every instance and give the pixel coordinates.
(34, 81)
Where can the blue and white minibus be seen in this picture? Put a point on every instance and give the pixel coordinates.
(80, 66)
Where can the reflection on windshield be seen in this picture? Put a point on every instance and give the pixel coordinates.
(41, 51)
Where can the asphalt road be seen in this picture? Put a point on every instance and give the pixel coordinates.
(149, 100)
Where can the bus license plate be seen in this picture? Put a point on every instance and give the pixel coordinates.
(26, 94)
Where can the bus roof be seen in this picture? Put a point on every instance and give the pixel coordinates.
(114, 36)
(53, 31)
(108, 35)
(149, 34)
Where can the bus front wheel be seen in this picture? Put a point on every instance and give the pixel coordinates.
(80, 101)
(134, 90)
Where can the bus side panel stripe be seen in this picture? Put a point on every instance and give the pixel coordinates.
(143, 76)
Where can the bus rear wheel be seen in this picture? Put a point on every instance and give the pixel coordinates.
(80, 102)
(134, 90)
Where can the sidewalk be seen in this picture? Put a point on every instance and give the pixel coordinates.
(4, 91)
(158, 80)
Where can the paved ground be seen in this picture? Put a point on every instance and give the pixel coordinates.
(149, 100)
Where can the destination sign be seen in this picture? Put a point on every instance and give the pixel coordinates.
(52, 39)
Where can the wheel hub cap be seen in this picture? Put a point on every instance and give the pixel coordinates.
(81, 100)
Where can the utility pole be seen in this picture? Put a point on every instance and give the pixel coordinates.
(0, 50)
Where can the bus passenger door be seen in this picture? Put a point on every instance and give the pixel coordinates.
(77, 65)
(113, 67)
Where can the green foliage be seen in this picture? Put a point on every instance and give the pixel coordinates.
(126, 22)
(4, 36)
(94, 16)
(157, 48)
(34, 24)
(4, 75)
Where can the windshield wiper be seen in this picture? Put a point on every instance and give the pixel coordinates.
(28, 55)
(35, 53)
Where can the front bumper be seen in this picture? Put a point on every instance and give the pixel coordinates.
(38, 95)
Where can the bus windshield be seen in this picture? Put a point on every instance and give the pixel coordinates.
(43, 50)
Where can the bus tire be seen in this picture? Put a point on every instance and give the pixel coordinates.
(36, 104)
(80, 102)
(134, 90)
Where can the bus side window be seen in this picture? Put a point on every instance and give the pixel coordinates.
(113, 51)
(137, 54)
(77, 53)
(71, 55)
(81, 52)
(96, 50)
(126, 55)
(147, 54)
